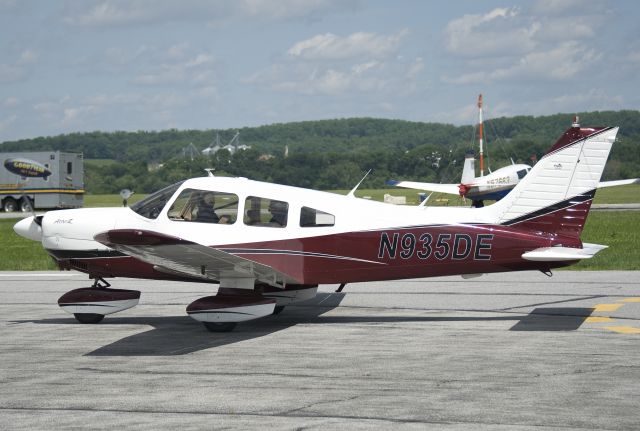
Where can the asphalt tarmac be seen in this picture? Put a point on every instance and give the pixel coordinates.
(516, 351)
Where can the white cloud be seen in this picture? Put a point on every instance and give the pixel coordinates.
(287, 9)
(557, 7)
(497, 32)
(331, 47)
(19, 69)
(560, 63)
(634, 57)
(117, 13)
(11, 102)
(416, 68)
(27, 57)
(7, 122)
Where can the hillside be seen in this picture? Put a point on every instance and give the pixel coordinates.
(329, 154)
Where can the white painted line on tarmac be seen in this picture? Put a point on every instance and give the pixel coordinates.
(37, 274)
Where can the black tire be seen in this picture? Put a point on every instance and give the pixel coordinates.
(9, 205)
(278, 309)
(26, 205)
(89, 318)
(220, 327)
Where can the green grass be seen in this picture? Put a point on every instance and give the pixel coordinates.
(617, 229)
(94, 201)
(20, 254)
(618, 195)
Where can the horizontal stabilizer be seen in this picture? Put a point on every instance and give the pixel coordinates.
(603, 184)
(553, 254)
(452, 189)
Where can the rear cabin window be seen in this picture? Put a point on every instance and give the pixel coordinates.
(522, 173)
(310, 217)
(204, 206)
(265, 212)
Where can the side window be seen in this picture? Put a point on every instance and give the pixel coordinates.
(522, 173)
(265, 212)
(204, 206)
(310, 217)
(69, 168)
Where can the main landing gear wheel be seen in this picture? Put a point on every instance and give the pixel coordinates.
(220, 327)
(90, 318)
(278, 309)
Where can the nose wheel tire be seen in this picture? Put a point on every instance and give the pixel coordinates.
(88, 317)
(220, 327)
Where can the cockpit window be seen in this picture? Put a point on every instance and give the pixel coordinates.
(522, 173)
(310, 217)
(152, 205)
(265, 212)
(205, 206)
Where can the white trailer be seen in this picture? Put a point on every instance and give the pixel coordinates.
(55, 180)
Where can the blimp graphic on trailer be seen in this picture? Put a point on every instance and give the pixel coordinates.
(41, 180)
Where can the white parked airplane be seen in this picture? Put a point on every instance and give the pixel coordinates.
(493, 186)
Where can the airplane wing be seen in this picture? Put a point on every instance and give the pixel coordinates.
(176, 255)
(603, 184)
(452, 189)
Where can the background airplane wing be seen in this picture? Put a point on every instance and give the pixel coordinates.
(452, 189)
(176, 255)
(603, 184)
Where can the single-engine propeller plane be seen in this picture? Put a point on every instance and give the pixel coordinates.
(270, 245)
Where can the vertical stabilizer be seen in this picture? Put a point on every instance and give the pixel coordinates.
(556, 195)
(469, 169)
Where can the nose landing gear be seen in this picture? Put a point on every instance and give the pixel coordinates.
(91, 304)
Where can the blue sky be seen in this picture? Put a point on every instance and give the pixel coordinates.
(74, 66)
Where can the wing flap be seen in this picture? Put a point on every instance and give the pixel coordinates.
(173, 254)
(548, 254)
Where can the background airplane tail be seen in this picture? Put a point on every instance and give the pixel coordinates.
(556, 195)
(469, 168)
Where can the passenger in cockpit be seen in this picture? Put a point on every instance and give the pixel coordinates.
(278, 210)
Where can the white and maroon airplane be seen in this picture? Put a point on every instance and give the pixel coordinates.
(270, 245)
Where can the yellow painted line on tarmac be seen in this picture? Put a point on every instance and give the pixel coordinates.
(599, 319)
(607, 307)
(631, 300)
(623, 329)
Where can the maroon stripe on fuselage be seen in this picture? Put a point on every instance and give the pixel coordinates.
(402, 253)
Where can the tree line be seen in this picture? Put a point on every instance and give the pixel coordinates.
(328, 154)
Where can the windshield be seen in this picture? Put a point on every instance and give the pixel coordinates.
(151, 206)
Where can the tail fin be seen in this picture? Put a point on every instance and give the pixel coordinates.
(469, 169)
(557, 193)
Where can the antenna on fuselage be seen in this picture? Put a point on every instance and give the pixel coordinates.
(353, 190)
(424, 202)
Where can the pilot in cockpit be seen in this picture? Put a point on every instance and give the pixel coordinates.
(204, 209)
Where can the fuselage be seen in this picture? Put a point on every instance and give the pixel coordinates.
(347, 240)
(495, 185)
